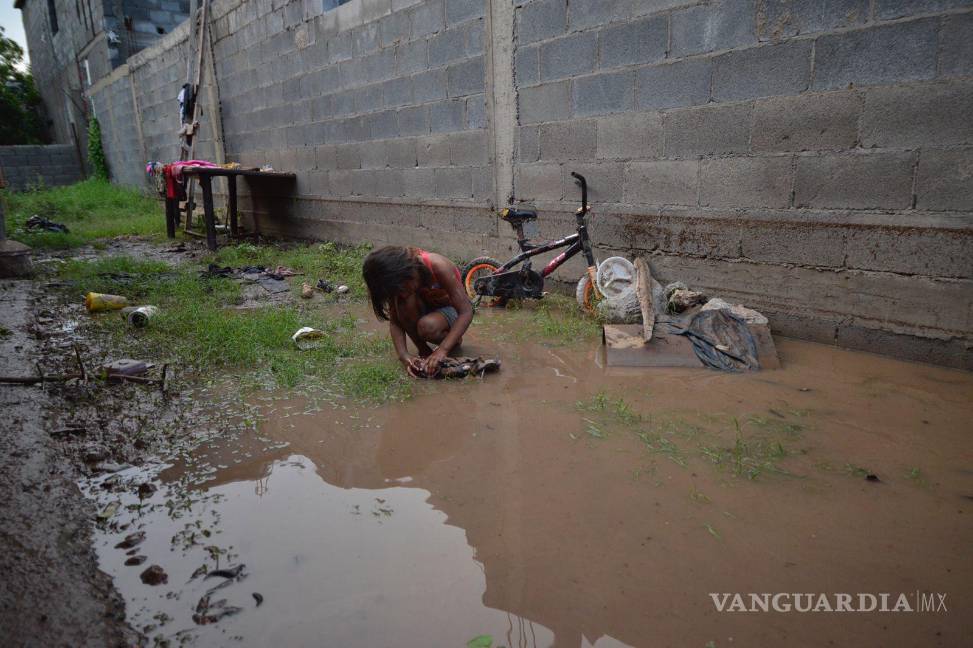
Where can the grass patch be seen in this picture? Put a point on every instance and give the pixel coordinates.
(91, 210)
(617, 407)
(748, 449)
(197, 328)
(337, 264)
(556, 319)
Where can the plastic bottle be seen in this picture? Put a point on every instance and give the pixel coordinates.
(96, 302)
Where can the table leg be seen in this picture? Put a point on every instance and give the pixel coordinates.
(171, 206)
(205, 182)
(190, 202)
(231, 188)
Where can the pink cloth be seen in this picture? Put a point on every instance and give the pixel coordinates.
(178, 166)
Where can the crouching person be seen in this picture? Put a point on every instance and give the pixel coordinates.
(421, 295)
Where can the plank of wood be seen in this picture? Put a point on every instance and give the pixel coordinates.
(643, 290)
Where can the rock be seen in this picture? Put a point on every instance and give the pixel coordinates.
(135, 560)
(154, 575)
(147, 490)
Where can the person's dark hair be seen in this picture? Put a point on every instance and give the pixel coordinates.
(386, 270)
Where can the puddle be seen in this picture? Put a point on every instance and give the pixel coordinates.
(559, 503)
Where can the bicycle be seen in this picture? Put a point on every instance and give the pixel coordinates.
(487, 277)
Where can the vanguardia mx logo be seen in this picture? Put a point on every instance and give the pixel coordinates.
(834, 602)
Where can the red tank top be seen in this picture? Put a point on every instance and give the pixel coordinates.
(434, 295)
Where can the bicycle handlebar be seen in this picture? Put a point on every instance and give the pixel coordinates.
(579, 180)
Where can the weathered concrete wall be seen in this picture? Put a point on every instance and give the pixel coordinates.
(811, 159)
(57, 59)
(81, 42)
(30, 166)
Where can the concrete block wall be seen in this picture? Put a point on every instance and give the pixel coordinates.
(49, 165)
(809, 159)
(794, 155)
(362, 102)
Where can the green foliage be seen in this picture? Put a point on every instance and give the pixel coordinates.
(96, 154)
(91, 209)
(20, 102)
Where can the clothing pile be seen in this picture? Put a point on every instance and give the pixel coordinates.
(463, 367)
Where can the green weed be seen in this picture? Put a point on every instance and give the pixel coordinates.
(198, 328)
(91, 210)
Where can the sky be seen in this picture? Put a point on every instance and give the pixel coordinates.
(12, 23)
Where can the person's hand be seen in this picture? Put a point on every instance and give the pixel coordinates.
(413, 366)
(433, 360)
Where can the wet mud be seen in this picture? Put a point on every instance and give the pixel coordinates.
(559, 503)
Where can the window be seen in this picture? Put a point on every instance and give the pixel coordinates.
(328, 5)
(52, 14)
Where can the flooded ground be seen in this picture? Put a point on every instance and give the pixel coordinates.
(559, 503)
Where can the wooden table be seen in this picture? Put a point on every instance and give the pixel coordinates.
(206, 175)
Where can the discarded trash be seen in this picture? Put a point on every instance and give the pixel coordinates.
(96, 302)
(139, 316)
(280, 272)
(616, 277)
(325, 285)
(154, 575)
(643, 291)
(37, 222)
(272, 285)
(111, 467)
(722, 341)
(131, 540)
(226, 573)
(680, 300)
(462, 367)
(341, 290)
(748, 315)
(307, 338)
(306, 290)
(125, 367)
(69, 430)
(108, 511)
(213, 270)
(207, 612)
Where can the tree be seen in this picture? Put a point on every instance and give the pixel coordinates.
(20, 121)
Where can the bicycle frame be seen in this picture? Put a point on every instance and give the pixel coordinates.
(526, 282)
(577, 242)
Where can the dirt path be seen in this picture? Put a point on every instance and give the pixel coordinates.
(53, 593)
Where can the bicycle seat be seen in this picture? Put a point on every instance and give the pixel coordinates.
(517, 216)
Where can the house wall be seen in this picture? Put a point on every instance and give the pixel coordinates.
(810, 159)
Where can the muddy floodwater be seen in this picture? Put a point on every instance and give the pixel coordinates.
(559, 503)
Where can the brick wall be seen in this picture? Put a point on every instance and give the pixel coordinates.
(811, 159)
(29, 166)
